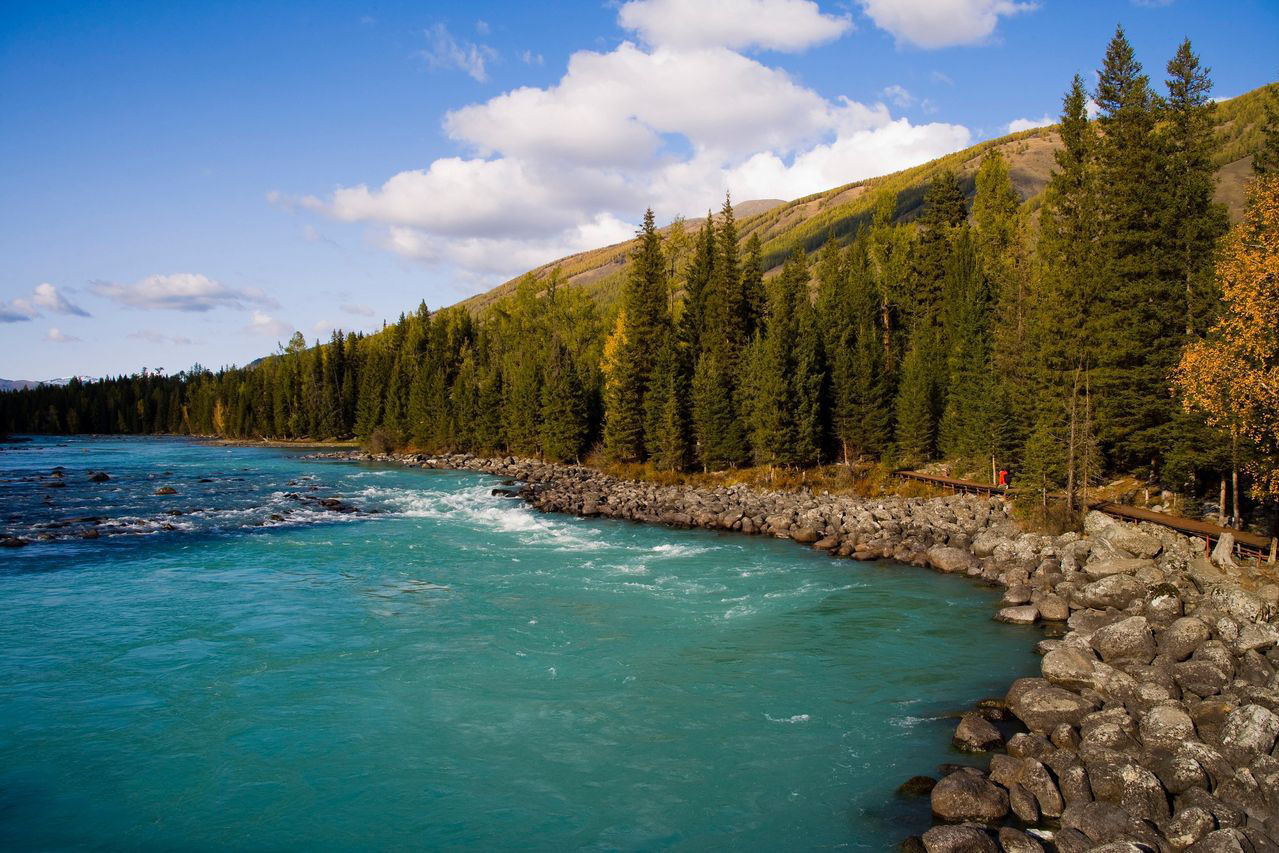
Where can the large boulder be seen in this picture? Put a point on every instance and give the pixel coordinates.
(1166, 727)
(1069, 666)
(976, 734)
(1180, 639)
(1130, 539)
(1043, 708)
(944, 558)
(1116, 566)
(1113, 591)
(959, 839)
(1128, 639)
(1240, 605)
(1251, 728)
(968, 795)
(1025, 614)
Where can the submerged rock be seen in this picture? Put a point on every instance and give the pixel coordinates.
(968, 795)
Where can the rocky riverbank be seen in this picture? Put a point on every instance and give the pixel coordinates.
(1154, 723)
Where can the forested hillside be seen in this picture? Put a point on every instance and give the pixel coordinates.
(1024, 304)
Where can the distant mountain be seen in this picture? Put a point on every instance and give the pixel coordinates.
(808, 222)
(23, 384)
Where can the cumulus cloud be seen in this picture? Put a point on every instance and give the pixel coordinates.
(356, 310)
(44, 298)
(1019, 124)
(899, 95)
(443, 51)
(785, 25)
(546, 171)
(153, 337)
(57, 336)
(264, 324)
(941, 23)
(182, 291)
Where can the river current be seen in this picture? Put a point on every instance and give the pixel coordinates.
(236, 665)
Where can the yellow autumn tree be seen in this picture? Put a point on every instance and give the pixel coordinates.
(1232, 376)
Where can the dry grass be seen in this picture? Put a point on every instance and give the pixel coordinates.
(861, 479)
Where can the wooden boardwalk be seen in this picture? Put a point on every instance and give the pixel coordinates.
(1246, 544)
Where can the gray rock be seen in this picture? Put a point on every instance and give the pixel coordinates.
(1044, 708)
(1114, 591)
(1053, 608)
(1025, 614)
(1069, 666)
(976, 734)
(1238, 604)
(1129, 639)
(1222, 840)
(1188, 826)
(1132, 787)
(1023, 804)
(1015, 595)
(947, 559)
(967, 795)
(1199, 677)
(1036, 779)
(1166, 726)
(1015, 841)
(958, 839)
(1251, 728)
(1116, 566)
(1180, 639)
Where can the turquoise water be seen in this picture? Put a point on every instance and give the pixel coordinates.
(454, 671)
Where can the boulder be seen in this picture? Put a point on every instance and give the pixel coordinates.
(1116, 566)
(99, 477)
(1180, 639)
(944, 558)
(968, 795)
(1128, 639)
(1015, 841)
(1199, 677)
(976, 734)
(958, 839)
(1132, 787)
(1240, 605)
(916, 786)
(1188, 826)
(1025, 614)
(1251, 728)
(1113, 591)
(1053, 608)
(1036, 779)
(1166, 727)
(1131, 540)
(1069, 666)
(166, 490)
(1044, 708)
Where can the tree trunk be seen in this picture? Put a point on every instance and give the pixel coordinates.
(1221, 503)
(1070, 464)
(994, 471)
(1234, 475)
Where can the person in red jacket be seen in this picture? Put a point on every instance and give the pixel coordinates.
(1003, 478)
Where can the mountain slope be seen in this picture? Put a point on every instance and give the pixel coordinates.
(807, 222)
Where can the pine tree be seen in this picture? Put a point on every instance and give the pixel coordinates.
(667, 416)
(969, 383)
(1193, 222)
(645, 318)
(697, 282)
(1043, 464)
(753, 296)
(916, 425)
(720, 440)
(1265, 160)
(1141, 307)
(563, 408)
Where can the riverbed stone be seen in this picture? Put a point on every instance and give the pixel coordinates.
(1116, 566)
(966, 795)
(976, 734)
(959, 839)
(1015, 841)
(1180, 639)
(1113, 591)
(947, 559)
(1044, 708)
(1069, 665)
(1026, 614)
(1251, 728)
(1128, 639)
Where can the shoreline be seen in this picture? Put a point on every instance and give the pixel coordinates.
(1156, 717)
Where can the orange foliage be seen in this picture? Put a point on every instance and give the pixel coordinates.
(1233, 375)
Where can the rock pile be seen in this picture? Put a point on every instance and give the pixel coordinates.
(1154, 724)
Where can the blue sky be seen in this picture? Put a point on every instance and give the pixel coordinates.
(191, 182)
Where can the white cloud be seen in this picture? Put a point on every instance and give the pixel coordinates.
(57, 336)
(264, 324)
(153, 337)
(528, 57)
(445, 51)
(898, 95)
(786, 25)
(1019, 124)
(549, 171)
(45, 297)
(356, 310)
(941, 23)
(482, 27)
(182, 291)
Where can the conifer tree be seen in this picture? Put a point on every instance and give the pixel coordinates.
(1193, 222)
(667, 416)
(720, 440)
(1265, 160)
(916, 425)
(753, 296)
(969, 382)
(563, 408)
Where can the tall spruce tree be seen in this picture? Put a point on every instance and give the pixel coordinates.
(916, 421)
(1141, 308)
(564, 424)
